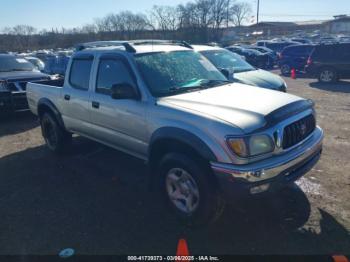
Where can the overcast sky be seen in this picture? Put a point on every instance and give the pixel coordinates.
(73, 13)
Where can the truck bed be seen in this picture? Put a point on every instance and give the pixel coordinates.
(57, 82)
(47, 89)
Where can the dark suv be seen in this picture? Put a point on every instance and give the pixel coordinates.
(294, 56)
(253, 57)
(329, 62)
(276, 46)
(15, 73)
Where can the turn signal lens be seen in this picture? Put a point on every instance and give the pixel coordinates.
(238, 146)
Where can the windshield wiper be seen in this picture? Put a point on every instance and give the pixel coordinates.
(212, 83)
(179, 89)
(17, 69)
(203, 84)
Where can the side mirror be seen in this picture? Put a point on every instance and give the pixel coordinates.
(123, 91)
(229, 74)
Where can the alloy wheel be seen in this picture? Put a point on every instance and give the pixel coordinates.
(182, 190)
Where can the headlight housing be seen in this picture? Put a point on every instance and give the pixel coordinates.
(285, 86)
(251, 146)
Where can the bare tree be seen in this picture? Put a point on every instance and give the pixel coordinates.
(166, 18)
(218, 12)
(240, 13)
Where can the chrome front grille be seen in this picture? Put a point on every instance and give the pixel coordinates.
(298, 131)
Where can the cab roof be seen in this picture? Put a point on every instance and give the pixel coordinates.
(200, 48)
(136, 47)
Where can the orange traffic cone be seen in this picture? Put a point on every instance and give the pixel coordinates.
(182, 250)
(293, 74)
(340, 259)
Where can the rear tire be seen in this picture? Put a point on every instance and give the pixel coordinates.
(327, 75)
(286, 70)
(57, 139)
(188, 186)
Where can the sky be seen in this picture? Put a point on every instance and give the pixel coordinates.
(73, 13)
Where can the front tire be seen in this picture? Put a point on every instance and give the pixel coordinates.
(57, 139)
(327, 75)
(189, 188)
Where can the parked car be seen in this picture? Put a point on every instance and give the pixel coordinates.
(15, 72)
(56, 65)
(294, 57)
(328, 40)
(272, 55)
(202, 137)
(253, 57)
(302, 41)
(344, 39)
(38, 64)
(237, 69)
(43, 55)
(276, 46)
(329, 62)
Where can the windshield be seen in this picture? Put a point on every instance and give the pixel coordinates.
(12, 63)
(224, 59)
(169, 73)
(252, 52)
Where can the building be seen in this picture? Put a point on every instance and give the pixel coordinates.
(340, 25)
(286, 28)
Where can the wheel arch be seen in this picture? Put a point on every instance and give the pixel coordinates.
(173, 139)
(183, 137)
(46, 106)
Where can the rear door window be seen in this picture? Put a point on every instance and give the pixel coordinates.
(80, 73)
(324, 51)
(300, 50)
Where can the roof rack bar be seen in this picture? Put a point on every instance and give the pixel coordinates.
(125, 44)
(161, 42)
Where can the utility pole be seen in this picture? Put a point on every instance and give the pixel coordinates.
(257, 13)
(228, 13)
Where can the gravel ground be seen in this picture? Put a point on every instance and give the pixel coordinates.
(96, 200)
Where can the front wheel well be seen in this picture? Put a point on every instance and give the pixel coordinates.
(164, 146)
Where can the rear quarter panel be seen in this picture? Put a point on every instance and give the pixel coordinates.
(35, 92)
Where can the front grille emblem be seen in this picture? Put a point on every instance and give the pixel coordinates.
(303, 129)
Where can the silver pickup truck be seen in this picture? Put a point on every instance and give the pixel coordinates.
(205, 140)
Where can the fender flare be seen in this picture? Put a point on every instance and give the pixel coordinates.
(184, 136)
(47, 103)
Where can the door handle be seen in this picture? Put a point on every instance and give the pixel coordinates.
(95, 104)
(67, 97)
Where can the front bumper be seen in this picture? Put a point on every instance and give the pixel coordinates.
(270, 174)
(13, 101)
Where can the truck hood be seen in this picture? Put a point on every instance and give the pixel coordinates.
(243, 106)
(22, 75)
(260, 78)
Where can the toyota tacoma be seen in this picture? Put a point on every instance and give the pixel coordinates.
(205, 140)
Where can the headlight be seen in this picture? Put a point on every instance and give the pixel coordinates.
(3, 86)
(251, 146)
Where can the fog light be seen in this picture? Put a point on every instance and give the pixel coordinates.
(259, 189)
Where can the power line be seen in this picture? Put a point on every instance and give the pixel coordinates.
(271, 15)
